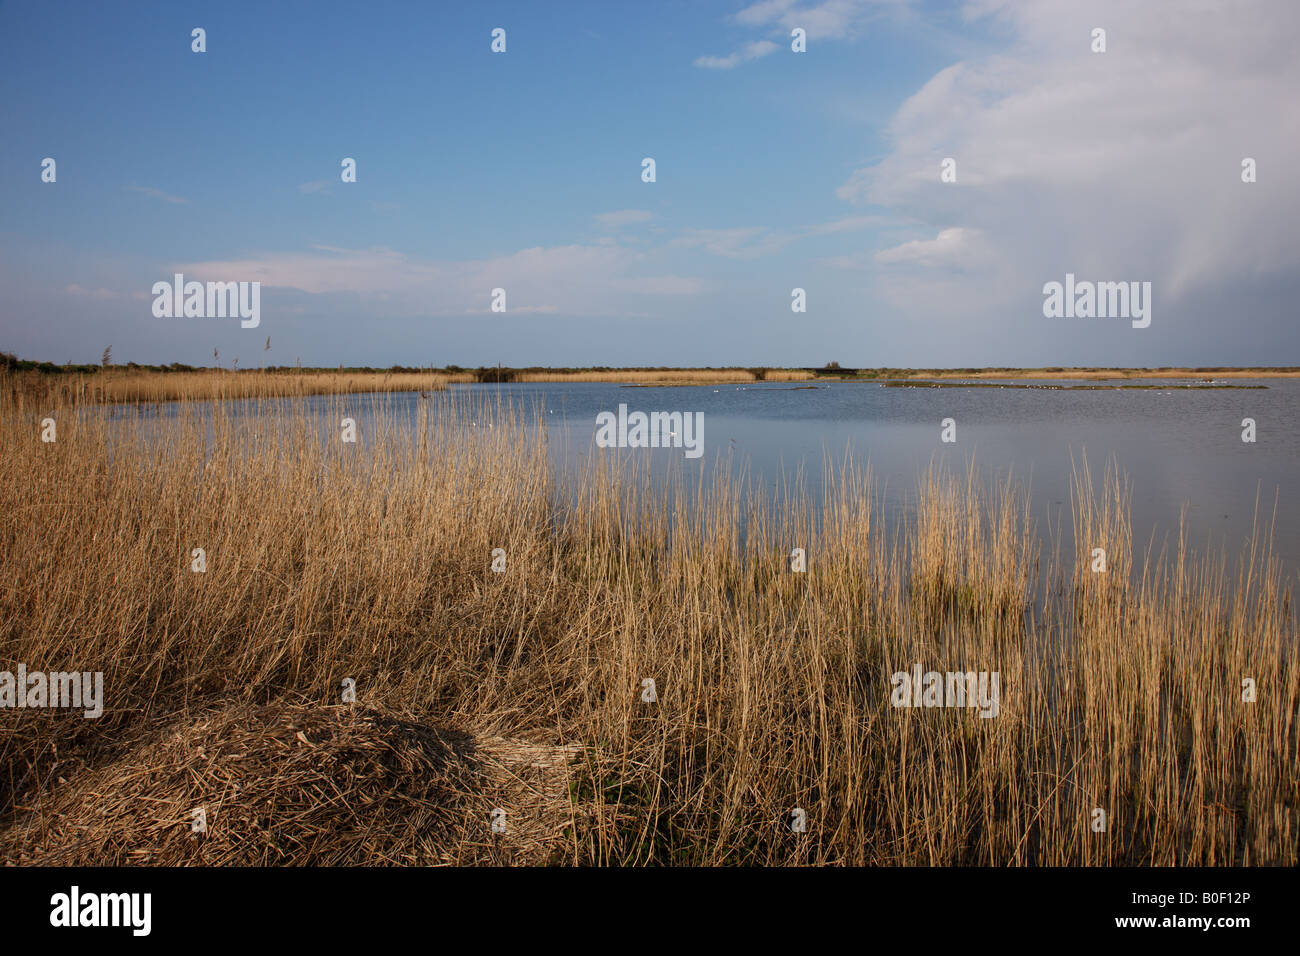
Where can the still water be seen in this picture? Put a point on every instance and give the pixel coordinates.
(1181, 448)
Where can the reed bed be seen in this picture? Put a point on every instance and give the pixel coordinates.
(38, 389)
(787, 375)
(522, 689)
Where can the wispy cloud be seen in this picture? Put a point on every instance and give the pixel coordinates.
(156, 194)
(956, 248)
(847, 224)
(820, 20)
(824, 20)
(623, 217)
(569, 280)
(747, 242)
(101, 294)
(751, 51)
(319, 185)
(752, 242)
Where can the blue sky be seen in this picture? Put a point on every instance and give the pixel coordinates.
(522, 170)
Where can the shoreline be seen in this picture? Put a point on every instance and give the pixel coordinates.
(47, 385)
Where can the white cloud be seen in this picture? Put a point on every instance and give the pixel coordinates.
(820, 20)
(827, 19)
(957, 248)
(751, 51)
(574, 280)
(1124, 164)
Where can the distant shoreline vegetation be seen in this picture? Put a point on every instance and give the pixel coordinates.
(108, 382)
(505, 373)
(1055, 387)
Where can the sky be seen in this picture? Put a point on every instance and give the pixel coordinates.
(775, 170)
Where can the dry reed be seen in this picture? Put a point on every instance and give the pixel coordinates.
(34, 388)
(1120, 691)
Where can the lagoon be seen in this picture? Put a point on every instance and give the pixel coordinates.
(1181, 448)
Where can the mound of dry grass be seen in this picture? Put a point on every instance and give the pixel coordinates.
(302, 784)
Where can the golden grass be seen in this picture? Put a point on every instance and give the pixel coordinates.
(787, 375)
(151, 387)
(373, 561)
